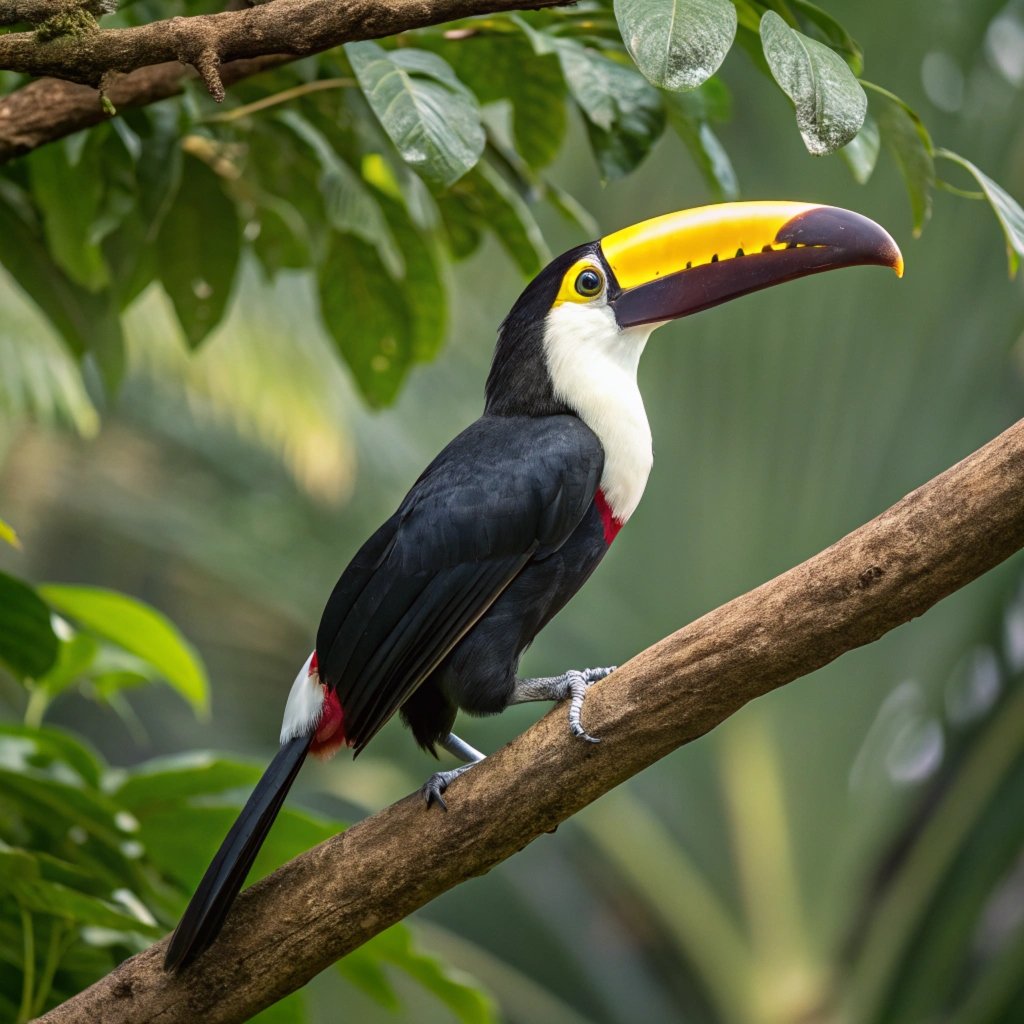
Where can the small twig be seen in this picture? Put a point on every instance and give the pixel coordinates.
(284, 96)
(207, 64)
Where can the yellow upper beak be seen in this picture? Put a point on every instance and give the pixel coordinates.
(715, 253)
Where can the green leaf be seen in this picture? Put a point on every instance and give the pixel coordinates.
(42, 897)
(431, 117)
(181, 778)
(75, 657)
(8, 536)
(454, 989)
(366, 315)
(704, 147)
(28, 645)
(833, 33)
(283, 241)
(45, 745)
(830, 103)
(911, 146)
(86, 321)
(69, 196)
(424, 290)
(677, 44)
(505, 67)
(290, 1010)
(140, 630)
(495, 204)
(861, 152)
(625, 115)
(197, 249)
(1006, 208)
(350, 205)
(181, 838)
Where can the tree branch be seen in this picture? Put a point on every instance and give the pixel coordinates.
(153, 58)
(47, 110)
(325, 903)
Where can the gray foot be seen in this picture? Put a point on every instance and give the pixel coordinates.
(572, 684)
(433, 789)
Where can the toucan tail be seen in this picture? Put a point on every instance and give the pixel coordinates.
(202, 920)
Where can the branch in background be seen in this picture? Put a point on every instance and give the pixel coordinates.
(282, 31)
(296, 27)
(325, 903)
(36, 12)
(49, 109)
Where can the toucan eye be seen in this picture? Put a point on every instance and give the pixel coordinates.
(589, 282)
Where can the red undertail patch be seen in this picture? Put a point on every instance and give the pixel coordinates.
(608, 520)
(330, 733)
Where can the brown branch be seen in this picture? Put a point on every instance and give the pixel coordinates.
(325, 903)
(296, 27)
(47, 110)
(35, 12)
(244, 42)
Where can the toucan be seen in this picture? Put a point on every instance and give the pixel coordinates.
(434, 612)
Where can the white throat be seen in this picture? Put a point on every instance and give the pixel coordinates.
(593, 368)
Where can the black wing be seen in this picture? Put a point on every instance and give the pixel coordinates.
(506, 490)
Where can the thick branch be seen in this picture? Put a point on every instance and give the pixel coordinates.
(245, 42)
(296, 27)
(49, 109)
(325, 903)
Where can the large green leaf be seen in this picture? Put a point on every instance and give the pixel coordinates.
(43, 746)
(349, 203)
(424, 290)
(86, 321)
(707, 151)
(861, 152)
(397, 947)
(911, 146)
(493, 203)
(197, 250)
(1006, 208)
(431, 117)
(677, 44)
(829, 101)
(625, 115)
(505, 67)
(184, 777)
(139, 629)
(69, 195)
(365, 313)
(28, 645)
(832, 33)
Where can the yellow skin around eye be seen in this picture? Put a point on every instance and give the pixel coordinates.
(567, 292)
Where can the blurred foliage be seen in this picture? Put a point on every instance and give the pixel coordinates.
(96, 862)
(848, 849)
(380, 164)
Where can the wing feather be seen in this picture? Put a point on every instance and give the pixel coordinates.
(505, 491)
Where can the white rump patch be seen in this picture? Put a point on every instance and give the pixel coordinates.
(305, 704)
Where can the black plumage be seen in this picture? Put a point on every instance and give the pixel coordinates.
(496, 505)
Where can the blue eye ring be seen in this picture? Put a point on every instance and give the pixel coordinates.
(589, 282)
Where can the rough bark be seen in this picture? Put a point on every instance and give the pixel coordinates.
(49, 109)
(325, 903)
(138, 66)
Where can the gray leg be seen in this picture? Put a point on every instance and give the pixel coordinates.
(572, 684)
(433, 789)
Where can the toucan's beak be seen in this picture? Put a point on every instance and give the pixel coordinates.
(684, 262)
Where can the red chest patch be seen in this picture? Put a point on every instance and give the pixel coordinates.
(608, 521)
